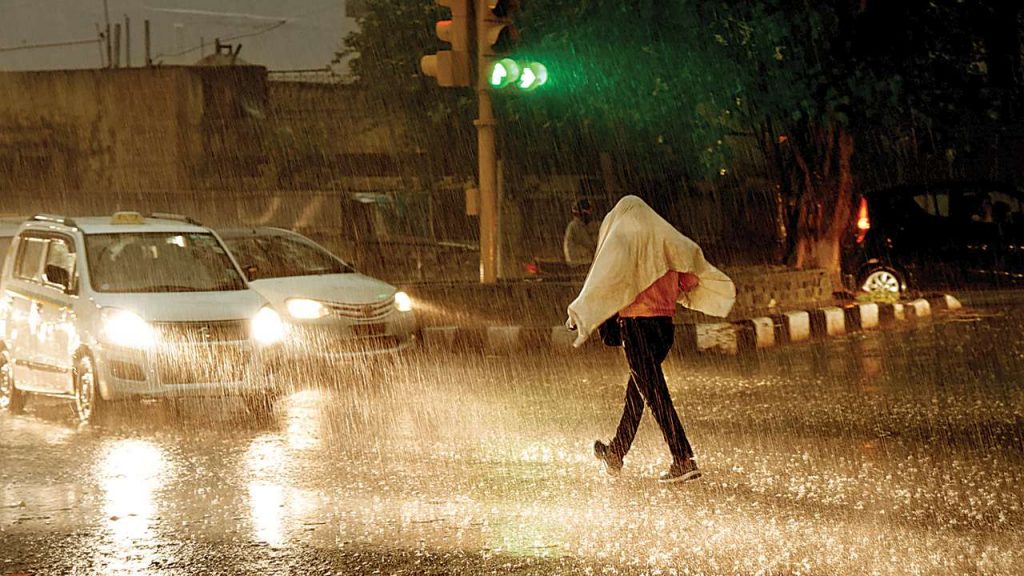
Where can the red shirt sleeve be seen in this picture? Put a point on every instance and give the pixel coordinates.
(688, 281)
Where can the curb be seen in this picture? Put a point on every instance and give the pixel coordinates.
(714, 337)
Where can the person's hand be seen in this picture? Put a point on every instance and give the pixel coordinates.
(688, 281)
(570, 325)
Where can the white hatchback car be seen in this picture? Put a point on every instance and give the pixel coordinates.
(107, 308)
(334, 313)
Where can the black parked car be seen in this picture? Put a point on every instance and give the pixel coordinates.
(937, 235)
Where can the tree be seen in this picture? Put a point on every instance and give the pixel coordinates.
(663, 86)
(811, 81)
(383, 55)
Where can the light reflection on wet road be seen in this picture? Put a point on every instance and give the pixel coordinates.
(896, 452)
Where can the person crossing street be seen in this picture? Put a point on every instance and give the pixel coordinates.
(642, 267)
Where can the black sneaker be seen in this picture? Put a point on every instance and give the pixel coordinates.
(681, 472)
(612, 462)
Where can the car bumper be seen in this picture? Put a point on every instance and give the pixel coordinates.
(326, 345)
(222, 369)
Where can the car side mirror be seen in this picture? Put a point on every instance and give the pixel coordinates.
(57, 275)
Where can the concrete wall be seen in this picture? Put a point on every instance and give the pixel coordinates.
(760, 290)
(96, 129)
(138, 130)
(226, 146)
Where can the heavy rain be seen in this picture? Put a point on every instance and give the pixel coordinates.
(384, 287)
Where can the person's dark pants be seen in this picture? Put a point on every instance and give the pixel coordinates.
(647, 342)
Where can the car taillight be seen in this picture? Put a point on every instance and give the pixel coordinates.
(863, 221)
(531, 268)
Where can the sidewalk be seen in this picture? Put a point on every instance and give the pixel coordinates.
(731, 336)
(775, 306)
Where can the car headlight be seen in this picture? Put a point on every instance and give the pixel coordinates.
(305, 309)
(403, 302)
(128, 329)
(267, 326)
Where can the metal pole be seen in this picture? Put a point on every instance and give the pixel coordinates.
(488, 189)
(106, 18)
(117, 45)
(149, 58)
(127, 42)
(486, 158)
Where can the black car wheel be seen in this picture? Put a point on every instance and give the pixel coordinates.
(11, 399)
(89, 405)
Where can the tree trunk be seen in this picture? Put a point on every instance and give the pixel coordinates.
(825, 200)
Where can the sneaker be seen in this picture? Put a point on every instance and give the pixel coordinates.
(681, 472)
(612, 462)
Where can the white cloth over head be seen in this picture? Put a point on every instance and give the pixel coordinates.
(636, 247)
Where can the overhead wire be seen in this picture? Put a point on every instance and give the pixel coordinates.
(235, 37)
(49, 45)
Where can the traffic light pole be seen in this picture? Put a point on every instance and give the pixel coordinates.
(487, 158)
(488, 173)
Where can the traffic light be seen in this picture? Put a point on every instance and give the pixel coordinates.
(525, 75)
(493, 22)
(451, 67)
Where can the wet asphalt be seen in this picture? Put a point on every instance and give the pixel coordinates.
(881, 453)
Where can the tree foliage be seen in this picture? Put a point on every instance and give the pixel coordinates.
(823, 91)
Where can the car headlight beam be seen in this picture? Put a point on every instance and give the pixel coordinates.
(128, 329)
(267, 326)
(305, 309)
(403, 302)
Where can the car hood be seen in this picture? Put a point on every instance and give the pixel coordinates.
(350, 288)
(187, 306)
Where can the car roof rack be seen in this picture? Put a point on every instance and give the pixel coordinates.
(54, 218)
(172, 216)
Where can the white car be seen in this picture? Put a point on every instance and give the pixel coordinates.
(334, 313)
(107, 308)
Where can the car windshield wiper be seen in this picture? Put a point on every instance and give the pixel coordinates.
(229, 285)
(170, 288)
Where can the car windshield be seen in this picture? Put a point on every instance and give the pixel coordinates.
(160, 262)
(283, 256)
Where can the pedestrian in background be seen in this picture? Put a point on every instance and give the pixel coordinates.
(642, 268)
(580, 238)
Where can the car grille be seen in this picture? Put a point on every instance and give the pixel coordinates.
(355, 346)
(371, 311)
(203, 332)
(348, 340)
(204, 365)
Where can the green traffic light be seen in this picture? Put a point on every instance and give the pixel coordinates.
(503, 73)
(524, 75)
(534, 74)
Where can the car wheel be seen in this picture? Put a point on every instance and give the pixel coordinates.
(882, 281)
(11, 399)
(89, 405)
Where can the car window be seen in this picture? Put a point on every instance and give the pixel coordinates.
(60, 252)
(1006, 209)
(160, 262)
(934, 203)
(284, 256)
(5, 245)
(30, 258)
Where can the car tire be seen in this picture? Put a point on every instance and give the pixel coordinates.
(89, 404)
(11, 399)
(882, 280)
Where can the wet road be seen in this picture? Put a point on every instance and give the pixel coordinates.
(894, 452)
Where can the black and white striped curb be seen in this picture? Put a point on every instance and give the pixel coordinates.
(715, 337)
